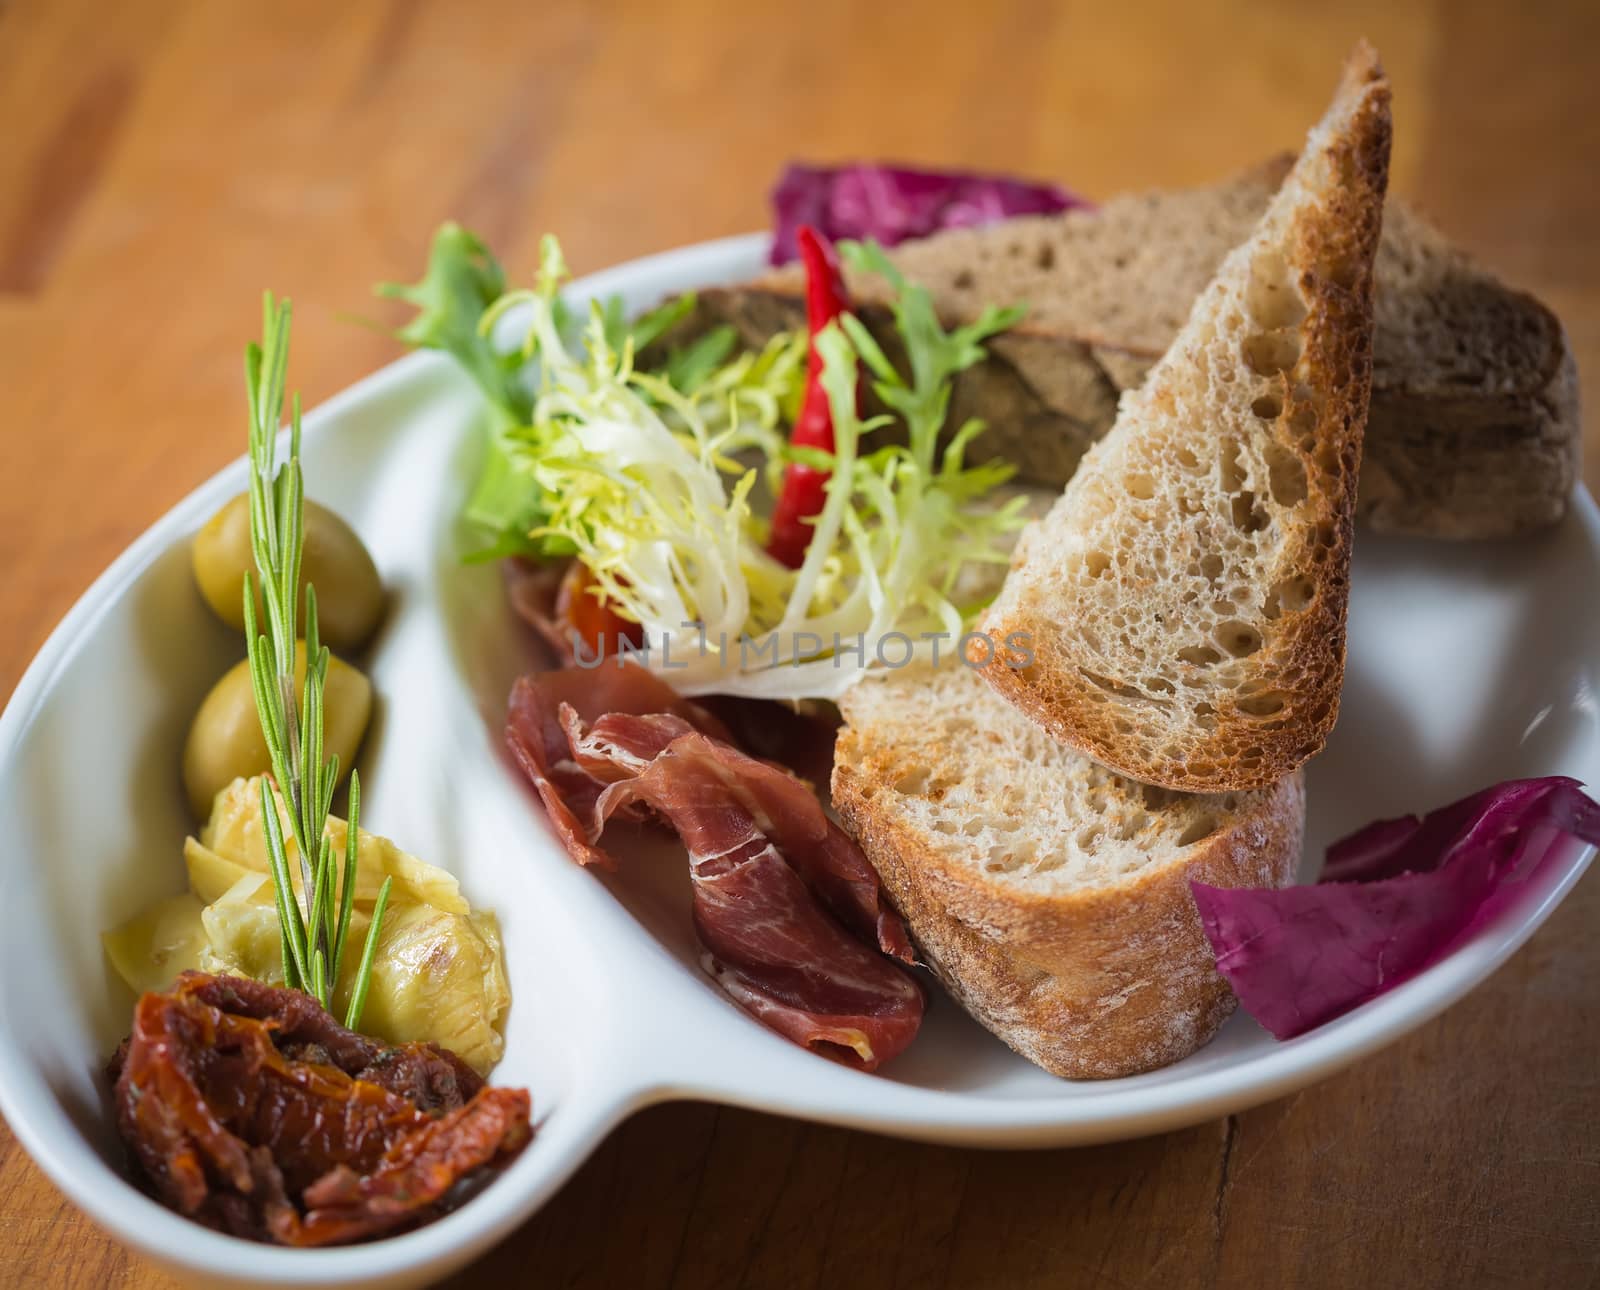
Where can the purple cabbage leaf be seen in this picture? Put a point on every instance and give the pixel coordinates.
(892, 204)
(1393, 898)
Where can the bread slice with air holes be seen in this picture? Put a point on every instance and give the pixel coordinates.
(1050, 895)
(1182, 607)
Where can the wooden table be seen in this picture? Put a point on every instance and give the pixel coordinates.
(161, 162)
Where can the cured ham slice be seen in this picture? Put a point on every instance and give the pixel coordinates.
(774, 803)
(790, 913)
(539, 743)
(799, 737)
(775, 940)
(532, 587)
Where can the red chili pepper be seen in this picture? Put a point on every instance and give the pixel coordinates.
(805, 487)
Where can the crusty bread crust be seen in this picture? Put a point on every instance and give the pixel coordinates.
(1091, 983)
(1134, 708)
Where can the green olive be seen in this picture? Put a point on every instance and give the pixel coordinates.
(225, 740)
(349, 595)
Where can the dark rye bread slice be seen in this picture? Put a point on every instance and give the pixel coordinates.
(1049, 895)
(1473, 429)
(1182, 606)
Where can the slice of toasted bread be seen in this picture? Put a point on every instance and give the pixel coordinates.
(1180, 613)
(1050, 895)
(1474, 428)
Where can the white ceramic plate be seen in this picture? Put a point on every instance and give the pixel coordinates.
(1468, 664)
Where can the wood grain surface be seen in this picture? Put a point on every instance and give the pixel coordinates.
(161, 162)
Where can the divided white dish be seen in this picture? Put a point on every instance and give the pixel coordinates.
(1468, 664)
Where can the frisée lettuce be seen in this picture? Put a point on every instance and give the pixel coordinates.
(463, 279)
(656, 480)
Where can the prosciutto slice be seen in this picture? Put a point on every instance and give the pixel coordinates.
(777, 894)
(800, 738)
(790, 913)
(680, 778)
(538, 741)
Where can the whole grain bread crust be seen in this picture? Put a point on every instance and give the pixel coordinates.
(1491, 451)
(1088, 984)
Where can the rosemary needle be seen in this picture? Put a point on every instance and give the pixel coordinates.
(314, 924)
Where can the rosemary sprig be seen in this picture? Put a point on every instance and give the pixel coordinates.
(313, 926)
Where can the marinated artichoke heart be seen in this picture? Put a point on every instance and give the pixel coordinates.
(438, 973)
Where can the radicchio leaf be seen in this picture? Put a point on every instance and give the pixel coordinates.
(1393, 898)
(894, 203)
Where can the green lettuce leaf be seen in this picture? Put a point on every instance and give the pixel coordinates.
(462, 281)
